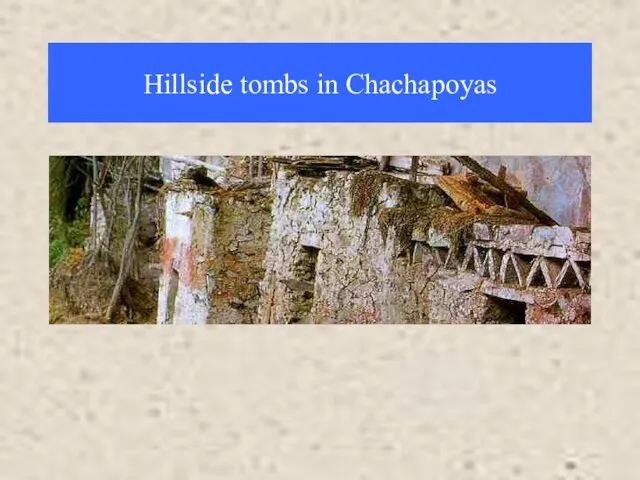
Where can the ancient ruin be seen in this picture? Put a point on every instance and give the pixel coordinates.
(365, 240)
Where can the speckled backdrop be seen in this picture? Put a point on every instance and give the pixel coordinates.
(352, 402)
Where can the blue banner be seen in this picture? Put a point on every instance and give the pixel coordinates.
(320, 82)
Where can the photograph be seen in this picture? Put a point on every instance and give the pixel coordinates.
(354, 239)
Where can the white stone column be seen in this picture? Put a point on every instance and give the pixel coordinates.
(183, 295)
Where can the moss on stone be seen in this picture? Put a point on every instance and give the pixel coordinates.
(423, 206)
(366, 187)
(456, 225)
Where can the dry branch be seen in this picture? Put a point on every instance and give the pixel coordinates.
(128, 247)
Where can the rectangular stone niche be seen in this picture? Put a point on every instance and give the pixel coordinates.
(303, 285)
(501, 310)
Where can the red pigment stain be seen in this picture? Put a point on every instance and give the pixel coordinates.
(189, 268)
(168, 251)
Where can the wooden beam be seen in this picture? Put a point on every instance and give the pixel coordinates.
(502, 185)
(466, 197)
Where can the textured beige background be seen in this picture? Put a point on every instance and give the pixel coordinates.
(375, 402)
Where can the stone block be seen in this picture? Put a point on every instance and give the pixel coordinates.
(481, 231)
(311, 239)
(460, 282)
(548, 236)
(512, 234)
(437, 239)
(494, 289)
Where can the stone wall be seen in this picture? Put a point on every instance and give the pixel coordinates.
(338, 251)
(342, 247)
(510, 274)
(235, 260)
(212, 256)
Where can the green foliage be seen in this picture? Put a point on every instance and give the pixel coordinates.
(64, 235)
(57, 250)
(58, 180)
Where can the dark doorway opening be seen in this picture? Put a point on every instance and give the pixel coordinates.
(307, 264)
(506, 311)
(303, 285)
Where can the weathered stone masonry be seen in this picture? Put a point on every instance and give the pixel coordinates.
(361, 274)
(350, 247)
(213, 252)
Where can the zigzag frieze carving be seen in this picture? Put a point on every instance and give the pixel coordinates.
(521, 256)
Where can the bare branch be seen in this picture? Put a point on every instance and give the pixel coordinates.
(127, 249)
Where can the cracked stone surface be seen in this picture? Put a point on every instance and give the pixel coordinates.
(361, 275)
